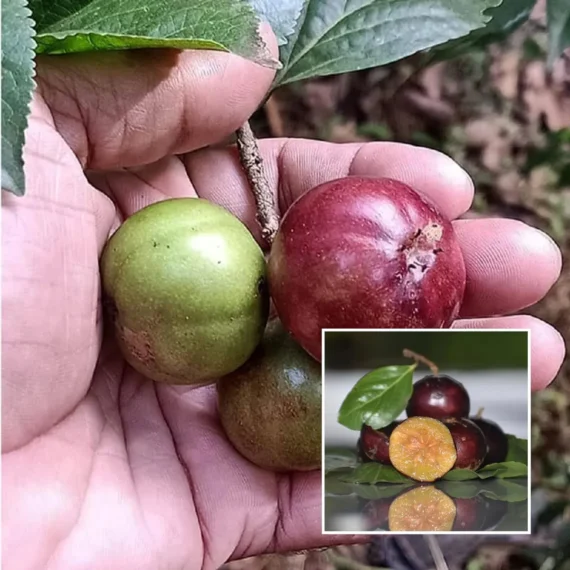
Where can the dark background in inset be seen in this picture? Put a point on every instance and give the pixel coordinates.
(465, 350)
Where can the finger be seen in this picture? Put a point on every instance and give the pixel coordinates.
(270, 512)
(134, 107)
(509, 264)
(294, 166)
(547, 348)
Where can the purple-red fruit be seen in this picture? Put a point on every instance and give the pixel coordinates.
(497, 442)
(363, 252)
(376, 514)
(470, 443)
(374, 445)
(439, 397)
(471, 514)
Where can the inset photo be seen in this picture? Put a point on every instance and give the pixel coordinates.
(426, 431)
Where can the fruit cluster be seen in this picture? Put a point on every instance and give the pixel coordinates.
(439, 435)
(188, 292)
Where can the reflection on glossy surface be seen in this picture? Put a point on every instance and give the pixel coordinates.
(422, 509)
(448, 506)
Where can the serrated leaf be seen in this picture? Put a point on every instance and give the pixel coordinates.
(558, 21)
(68, 26)
(518, 449)
(338, 37)
(372, 473)
(282, 15)
(508, 469)
(378, 398)
(505, 19)
(17, 86)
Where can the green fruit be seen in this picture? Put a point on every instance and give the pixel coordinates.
(186, 283)
(271, 407)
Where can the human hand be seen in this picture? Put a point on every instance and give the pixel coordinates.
(102, 468)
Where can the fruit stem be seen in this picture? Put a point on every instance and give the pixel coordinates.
(419, 358)
(252, 163)
(479, 413)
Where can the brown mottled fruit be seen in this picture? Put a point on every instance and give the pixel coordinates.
(470, 443)
(422, 448)
(271, 407)
(185, 283)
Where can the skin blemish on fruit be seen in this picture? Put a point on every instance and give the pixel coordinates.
(138, 343)
(403, 254)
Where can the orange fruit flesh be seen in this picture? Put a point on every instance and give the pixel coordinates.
(422, 448)
(422, 509)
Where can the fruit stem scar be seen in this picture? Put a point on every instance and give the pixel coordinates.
(420, 358)
(252, 163)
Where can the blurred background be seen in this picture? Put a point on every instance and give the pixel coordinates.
(505, 117)
(493, 366)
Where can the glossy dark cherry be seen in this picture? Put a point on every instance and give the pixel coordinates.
(470, 443)
(374, 445)
(497, 442)
(364, 253)
(439, 397)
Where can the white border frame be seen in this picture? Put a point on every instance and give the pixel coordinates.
(419, 533)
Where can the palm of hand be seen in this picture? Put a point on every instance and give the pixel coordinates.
(102, 468)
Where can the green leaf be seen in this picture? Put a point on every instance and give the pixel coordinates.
(372, 473)
(340, 459)
(505, 19)
(375, 492)
(507, 491)
(460, 475)
(497, 489)
(460, 489)
(338, 37)
(518, 449)
(378, 398)
(67, 26)
(281, 14)
(558, 20)
(504, 470)
(17, 86)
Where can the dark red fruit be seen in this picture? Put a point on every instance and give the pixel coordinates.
(376, 514)
(364, 253)
(497, 442)
(471, 514)
(470, 443)
(374, 445)
(439, 397)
